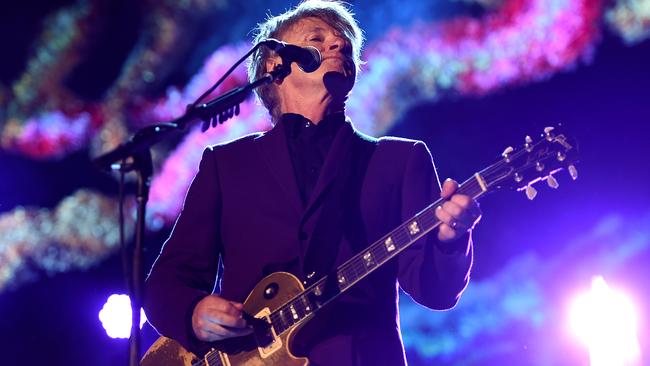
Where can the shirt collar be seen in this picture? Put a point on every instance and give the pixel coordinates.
(296, 125)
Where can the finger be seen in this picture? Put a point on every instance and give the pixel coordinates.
(453, 209)
(446, 233)
(226, 319)
(221, 305)
(214, 332)
(237, 305)
(454, 216)
(442, 213)
(467, 203)
(449, 187)
(470, 211)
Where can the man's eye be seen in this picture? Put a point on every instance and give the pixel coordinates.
(316, 39)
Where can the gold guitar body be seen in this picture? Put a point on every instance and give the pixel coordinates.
(268, 295)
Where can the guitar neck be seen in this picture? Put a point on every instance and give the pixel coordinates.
(362, 264)
(517, 169)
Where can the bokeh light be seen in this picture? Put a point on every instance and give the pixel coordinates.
(116, 316)
(605, 321)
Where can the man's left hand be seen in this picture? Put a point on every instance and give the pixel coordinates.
(459, 213)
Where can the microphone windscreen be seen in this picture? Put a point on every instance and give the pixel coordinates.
(314, 60)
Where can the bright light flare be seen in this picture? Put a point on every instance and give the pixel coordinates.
(606, 321)
(116, 316)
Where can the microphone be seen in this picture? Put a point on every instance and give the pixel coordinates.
(308, 58)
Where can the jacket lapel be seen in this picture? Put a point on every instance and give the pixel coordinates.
(273, 148)
(338, 151)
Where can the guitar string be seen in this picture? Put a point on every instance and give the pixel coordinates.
(401, 237)
(358, 267)
(400, 233)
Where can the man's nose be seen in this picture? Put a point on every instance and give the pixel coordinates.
(337, 43)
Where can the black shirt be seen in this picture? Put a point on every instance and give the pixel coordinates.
(308, 146)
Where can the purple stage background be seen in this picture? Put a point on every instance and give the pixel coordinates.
(467, 77)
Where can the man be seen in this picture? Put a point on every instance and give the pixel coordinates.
(304, 197)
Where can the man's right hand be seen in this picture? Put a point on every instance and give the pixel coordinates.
(215, 318)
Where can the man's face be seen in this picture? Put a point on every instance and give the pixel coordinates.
(337, 70)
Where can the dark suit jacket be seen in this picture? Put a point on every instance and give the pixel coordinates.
(244, 207)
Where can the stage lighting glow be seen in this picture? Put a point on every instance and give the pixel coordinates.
(605, 320)
(116, 316)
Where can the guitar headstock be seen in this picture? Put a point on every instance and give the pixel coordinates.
(537, 160)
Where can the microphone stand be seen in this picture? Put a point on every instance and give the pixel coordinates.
(138, 149)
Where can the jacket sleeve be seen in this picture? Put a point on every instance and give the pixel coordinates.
(432, 277)
(186, 269)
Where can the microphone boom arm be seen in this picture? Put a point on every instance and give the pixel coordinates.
(217, 110)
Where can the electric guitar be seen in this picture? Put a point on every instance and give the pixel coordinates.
(280, 304)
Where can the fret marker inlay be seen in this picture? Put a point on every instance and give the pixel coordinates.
(368, 259)
(390, 245)
(305, 303)
(414, 228)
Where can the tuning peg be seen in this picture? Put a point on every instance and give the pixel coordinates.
(506, 153)
(548, 132)
(539, 166)
(561, 156)
(529, 144)
(531, 192)
(518, 177)
(552, 182)
(573, 172)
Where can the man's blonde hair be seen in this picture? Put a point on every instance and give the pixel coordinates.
(333, 12)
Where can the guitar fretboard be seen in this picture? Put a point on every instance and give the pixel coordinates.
(362, 264)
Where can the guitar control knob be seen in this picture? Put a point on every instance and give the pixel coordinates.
(271, 290)
(548, 132)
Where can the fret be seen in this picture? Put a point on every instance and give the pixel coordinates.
(379, 252)
(318, 289)
(211, 358)
(363, 263)
(389, 244)
(428, 218)
(277, 323)
(285, 319)
(342, 279)
(294, 312)
(368, 259)
(413, 227)
(346, 276)
(401, 237)
(306, 306)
